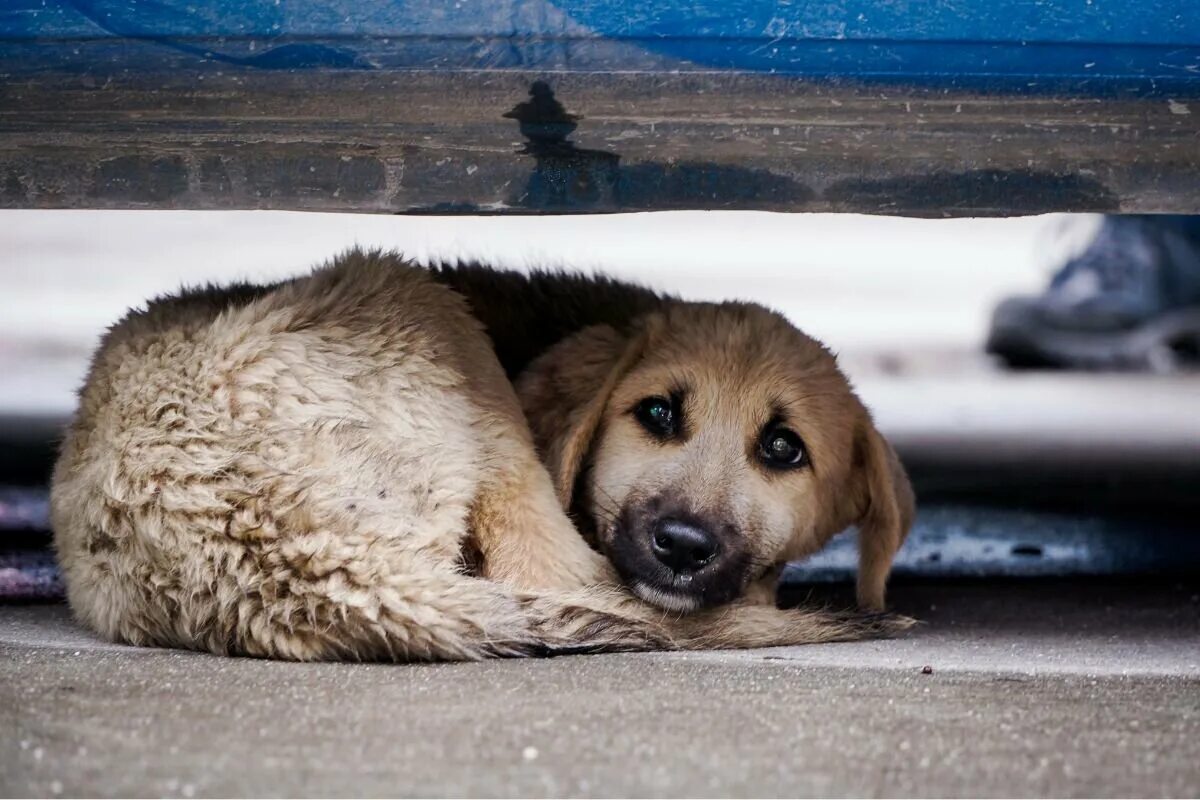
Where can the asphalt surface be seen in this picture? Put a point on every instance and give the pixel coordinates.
(1033, 689)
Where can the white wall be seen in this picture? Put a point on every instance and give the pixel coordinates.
(862, 284)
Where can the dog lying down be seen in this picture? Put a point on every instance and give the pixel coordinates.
(379, 461)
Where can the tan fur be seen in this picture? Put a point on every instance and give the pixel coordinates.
(338, 467)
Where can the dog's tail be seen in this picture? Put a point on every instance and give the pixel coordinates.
(428, 614)
(470, 618)
(440, 615)
(448, 616)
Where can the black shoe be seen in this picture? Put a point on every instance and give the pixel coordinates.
(1130, 301)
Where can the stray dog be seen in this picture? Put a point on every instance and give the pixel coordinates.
(378, 461)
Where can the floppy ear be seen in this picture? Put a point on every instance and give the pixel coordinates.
(886, 507)
(564, 393)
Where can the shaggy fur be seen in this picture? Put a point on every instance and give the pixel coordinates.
(339, 467)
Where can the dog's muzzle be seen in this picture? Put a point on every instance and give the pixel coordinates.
(676, 560)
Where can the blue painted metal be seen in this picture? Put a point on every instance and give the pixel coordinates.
(1013, 41)
(1144, 47)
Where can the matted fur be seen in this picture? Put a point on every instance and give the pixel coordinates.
(338, 467)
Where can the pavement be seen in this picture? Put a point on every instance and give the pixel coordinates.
(1033, 688)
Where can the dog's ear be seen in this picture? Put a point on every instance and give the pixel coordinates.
(884, 507)
(564, 393)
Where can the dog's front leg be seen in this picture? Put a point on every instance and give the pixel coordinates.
(523, 537)
(526, 539)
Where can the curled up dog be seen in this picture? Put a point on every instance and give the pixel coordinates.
(378, 461)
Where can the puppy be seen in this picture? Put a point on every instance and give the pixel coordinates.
(382, 462)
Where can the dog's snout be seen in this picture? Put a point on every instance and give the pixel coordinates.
(682, 546)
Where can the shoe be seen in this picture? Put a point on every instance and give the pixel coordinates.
(1129, 301)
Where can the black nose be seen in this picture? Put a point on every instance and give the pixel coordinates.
(682, 546)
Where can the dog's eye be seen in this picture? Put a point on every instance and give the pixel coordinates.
(781, 448)
(657, 415)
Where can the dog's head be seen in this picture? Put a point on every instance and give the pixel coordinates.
(709, 443)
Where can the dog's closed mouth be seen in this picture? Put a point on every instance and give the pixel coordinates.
(669, 601)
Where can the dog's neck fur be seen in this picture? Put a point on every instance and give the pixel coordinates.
(525, 314)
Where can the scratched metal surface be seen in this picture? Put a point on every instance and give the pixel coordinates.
(1149, 45)
(945, 107)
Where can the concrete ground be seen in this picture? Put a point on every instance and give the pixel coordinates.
(1036, 689)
